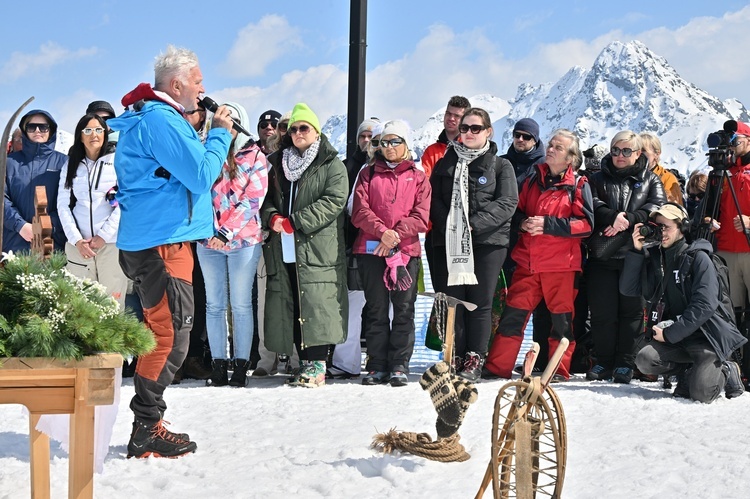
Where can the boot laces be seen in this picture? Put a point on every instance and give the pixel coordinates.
(472, 362)
(159, 430)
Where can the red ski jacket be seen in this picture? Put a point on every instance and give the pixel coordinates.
(569, 217)
(727, 237)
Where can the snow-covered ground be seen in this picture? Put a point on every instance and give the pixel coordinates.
(273, 441)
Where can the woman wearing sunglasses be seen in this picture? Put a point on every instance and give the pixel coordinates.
(625, 193)
(306, 296)
(36, 164)
(474, 196)
(88, 211)
(391, 207)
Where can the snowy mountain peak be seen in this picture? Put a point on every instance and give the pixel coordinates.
(628, 87)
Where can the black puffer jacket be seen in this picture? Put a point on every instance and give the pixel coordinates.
(635, 190)
(493, 197)
(524, 162)
(699, 287)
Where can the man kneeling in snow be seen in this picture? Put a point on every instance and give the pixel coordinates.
(693, 329)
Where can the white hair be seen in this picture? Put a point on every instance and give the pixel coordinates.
(176, 62)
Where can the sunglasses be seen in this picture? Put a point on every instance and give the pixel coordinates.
(616, 151)
(265, 124)
(696, 196)
(375, 142)
(475, 129)
(522, 136)
(42, 127)
(303, 129)
(196, 110)
(282, 127)
(87, 131)
(391, 143)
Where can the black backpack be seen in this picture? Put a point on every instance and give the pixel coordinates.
(726, 309)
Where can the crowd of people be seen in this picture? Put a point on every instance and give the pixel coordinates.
(306, 255)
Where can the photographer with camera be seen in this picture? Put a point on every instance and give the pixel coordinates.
(730, 182)
(691, 327)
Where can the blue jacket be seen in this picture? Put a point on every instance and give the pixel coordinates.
(36, 164)
(165, 174)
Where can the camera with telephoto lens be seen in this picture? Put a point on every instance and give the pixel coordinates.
(652, 232)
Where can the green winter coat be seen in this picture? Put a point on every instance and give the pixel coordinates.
(318, 218)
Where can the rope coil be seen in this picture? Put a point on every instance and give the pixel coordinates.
(445, 450)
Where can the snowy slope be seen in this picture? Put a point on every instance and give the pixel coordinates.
(270, 441)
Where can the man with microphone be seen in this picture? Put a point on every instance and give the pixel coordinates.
(164, 175)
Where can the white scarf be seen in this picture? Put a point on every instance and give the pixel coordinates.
(294, 164)
(458, 243)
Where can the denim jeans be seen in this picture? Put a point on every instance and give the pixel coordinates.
(239, 265)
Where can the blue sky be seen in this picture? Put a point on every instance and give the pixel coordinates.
(273, 54)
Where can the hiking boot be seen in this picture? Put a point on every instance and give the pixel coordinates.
(682, 390)
(487, 374)
(648, 378)
(622, 375)
(239, 375)
(219, 375)
(599, 373)
(734, 386)
(178, 376)
(193, 368)
(312, 375)
(260, 372)
(294, 373)
(155, 440)
(398, 378)
(558, 378)
(472, 368)
(375, 378)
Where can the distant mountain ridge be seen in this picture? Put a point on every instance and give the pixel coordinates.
(627, 88)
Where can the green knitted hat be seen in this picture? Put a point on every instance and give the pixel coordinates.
(303, 113)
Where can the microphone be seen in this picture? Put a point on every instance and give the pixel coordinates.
(212, 106)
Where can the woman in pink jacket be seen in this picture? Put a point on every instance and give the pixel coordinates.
(391, 207)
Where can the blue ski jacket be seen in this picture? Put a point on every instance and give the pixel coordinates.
(164, 175)
(34, 165)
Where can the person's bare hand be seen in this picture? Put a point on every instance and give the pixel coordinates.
(390, 239)
(215, 243)
(222, 119)
(739, 220)
(658, 334)
(382, 250)
(84, 248)
(637, 237)
(534, 226)
(621, 222)
(610, 231)
(96, 243)
(26, 232)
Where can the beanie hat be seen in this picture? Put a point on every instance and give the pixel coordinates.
(270, 115)
(398, 128)
(101, 105)
(367, 126)
(302, 112)
(377, 129)
(529, 126)
(286, 116)
(240, 114)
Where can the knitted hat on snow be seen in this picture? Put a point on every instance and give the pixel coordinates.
(302, 112)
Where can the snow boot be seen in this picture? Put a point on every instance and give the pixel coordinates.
(733, 386)
(472, 368)
(219, 375)
(239, 375)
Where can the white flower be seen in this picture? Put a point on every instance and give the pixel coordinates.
(7, 257)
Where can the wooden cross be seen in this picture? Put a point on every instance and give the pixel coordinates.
(41, 225)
